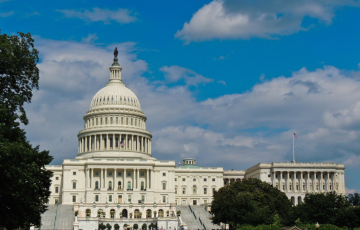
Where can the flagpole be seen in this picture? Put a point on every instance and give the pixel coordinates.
(294, 147)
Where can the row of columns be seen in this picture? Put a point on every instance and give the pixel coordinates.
(125, 142)
(228, 181)
(90, 174)
(329, 181)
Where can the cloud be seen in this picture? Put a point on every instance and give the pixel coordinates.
(234, 19)
(220, 58)
(6, 14)
(90, 38)
(222, 82)
(122, 16)
(176, 73)
(231, 131)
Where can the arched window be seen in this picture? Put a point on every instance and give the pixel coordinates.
(101, 121)
(129, 185)
(127, 121)
(122, 120)
(117, 120)
(110, 185)
(131, 121)
(100, 213)
(111, 120)
(106, 120)
(137, 213)
(142, 185)
(97, 121)
(88, 212)
(96, 184)
(194, 189)
(148, 213)
(161, 213)
(112, 213)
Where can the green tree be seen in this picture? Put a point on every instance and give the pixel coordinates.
(326, 208)
(354, 199)
(25, 183)
(136, 226)
(108, 226)
(143, 226)
(116, 227)
(250, 202)
(102, 226)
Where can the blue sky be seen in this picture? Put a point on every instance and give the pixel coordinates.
(223, 81)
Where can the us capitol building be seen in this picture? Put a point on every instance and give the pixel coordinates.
(115, 179)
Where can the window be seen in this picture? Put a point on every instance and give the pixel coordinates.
(129, 174)
(184, 191)
(142, 198)
(96, 173)
(74, 199)
(194, 179)
(56, 178)
(56, 189)
(290, 187)
(184, 202)
(269, 175)
(205, 179)
(142, 185)
(110, 185)
(129, 198)
(205, 190)
(74, 173)
(119, 174)
(110, 198)
(164, 174)
(74, 185)
(183, 179)
(164, 199)
(129, 185)
(119, 185)
(213, 190)
(110, 173)
(194, 189)
(96, 184)
(142, 174)
(175, 179)
(175, 190)
(213, 179)
(164, 186)
(205, 201)
(96, 198)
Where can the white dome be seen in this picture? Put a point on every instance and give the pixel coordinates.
(115, 93)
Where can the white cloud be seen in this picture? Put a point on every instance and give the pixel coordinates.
(176, 73)
(234, 19)
(6, 14)
(90, 38)
(222, 82)
(122, 16)
(220, 58)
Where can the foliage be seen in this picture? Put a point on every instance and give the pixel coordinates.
(308, 226)
(251, 202)
(116, 227)
(102, 226)
(354, 199)
(178, 212)
(136, 226)
(327, 208)
(76, 213)
(153, 226)
(143, 226)
(108, 226)
(24, 181)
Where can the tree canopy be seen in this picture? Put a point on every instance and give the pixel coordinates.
(25, 183)
(250, 201)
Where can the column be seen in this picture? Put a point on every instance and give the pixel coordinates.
(138, 178)
(333, 181)
(101, 142)
(124, 182)
(126, 142)
(101, 179)
(147, 179)
(152, 179)
(137, 143)
(273, 175)
(87, 178)
(143, 144)
(280, 183)
(86, 144)
(321, 181)
(90, 177)
(132, 142)
(301, 181)
(150, 147)
(287, 180)
(133, 184)
(114, 185)
(113, 141)
(107, 142)
(105, 179)
(90, 145)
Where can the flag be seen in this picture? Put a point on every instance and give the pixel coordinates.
(122, 143)
(295, 135)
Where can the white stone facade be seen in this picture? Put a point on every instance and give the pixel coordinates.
(115, 173)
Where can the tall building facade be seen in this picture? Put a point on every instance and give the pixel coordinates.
(115, 178)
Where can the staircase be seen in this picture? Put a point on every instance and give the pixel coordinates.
(205, 217)
(188, 217)
(58, 217)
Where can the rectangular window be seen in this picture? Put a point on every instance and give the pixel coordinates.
(213, 179)
(110, 198)
(96, 173)
(56, 189)
(183, 191)
(205, 201)
(164, 174)
(119, 174)
(141, 174)
(129, 198)
(184, 202)
(213, 190)
(129, 174)
(74, 185)
(110, 173)
(205, 179)
(164, 199)
(175, 179)
(164, 186)
(143, 198)
(183, 179)
(74, 198)
(96, 198)
(57, 178)
(74, 173)
(175, 190)
(205, 190)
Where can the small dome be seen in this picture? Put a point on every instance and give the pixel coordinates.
(115, 94)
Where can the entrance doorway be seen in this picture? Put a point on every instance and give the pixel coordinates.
(119, 185)
(120, 199)
(194, 202)
(124, 213)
